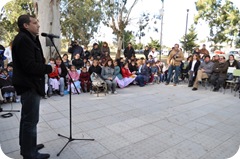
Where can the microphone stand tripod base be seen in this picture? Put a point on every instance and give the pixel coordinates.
(70, 139)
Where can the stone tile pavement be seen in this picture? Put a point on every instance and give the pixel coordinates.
(153, 122)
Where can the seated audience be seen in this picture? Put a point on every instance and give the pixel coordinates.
(155, 73)
(86, 54)
(78, 63)
(193, 69)
(75, 79)
(7, 89)
(154, 54)
(232, 63)
(108, 75)
(142, 74)
(53, 79)
(96, 52)
(66, 62)
(133, 67)
(85, 80)
(117, 71)
(128, 77)
(62, 73)
(204, 71)
(219, 73)
(95, 68)
(10, 69)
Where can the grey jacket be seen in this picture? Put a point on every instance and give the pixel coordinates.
(107, 72)
(207, 66)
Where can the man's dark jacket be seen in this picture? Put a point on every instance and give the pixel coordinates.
(29, 65)
(129, 52)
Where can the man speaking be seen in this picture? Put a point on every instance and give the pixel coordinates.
(29, 69)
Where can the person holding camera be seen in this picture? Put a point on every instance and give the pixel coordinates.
(174, 61)
(74, 49)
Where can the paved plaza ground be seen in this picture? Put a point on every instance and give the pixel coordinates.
(153, 122)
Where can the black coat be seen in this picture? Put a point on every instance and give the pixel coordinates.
(234, 64)
(129, 52)
(63, 70)
(195, 69)
(78, 63)
(146, 52)
(75, 49)
(96, 69)
(96, 53)
(29, 65)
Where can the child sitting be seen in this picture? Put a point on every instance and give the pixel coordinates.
(75, 78)
(53, 77)
(85, 80)
(154, 71)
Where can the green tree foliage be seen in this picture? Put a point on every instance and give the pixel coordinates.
(8, 17)
(117, 16)
(190, 42)
(154, 44)
(128, 37)
(80, 19)
(223, 18)
(138, 46)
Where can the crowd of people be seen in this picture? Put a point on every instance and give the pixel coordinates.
(125, 71)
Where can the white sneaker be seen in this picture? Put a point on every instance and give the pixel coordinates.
(109, 92)
(115, 92)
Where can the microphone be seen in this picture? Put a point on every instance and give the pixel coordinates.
(50, 35)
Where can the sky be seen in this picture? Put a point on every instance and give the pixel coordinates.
(174, 21)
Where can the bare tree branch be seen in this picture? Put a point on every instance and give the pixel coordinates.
(130, 10)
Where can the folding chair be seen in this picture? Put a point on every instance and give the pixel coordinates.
(233, 84)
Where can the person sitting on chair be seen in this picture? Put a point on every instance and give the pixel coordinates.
(204, 71)
(219, 74)
(233, 64)
(193, 68)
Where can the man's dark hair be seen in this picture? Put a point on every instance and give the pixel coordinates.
(24, 19)
(206, 56)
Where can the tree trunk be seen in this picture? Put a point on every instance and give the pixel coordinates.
(48, 14)
(119, 48)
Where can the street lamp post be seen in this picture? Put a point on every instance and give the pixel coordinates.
(185, 49)
(162, 12)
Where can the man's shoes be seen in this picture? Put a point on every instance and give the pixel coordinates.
(42, 156)
(166, 83)
(194, 89)
(215, 90)
(40, 146)
(190, 85)
(174, 84)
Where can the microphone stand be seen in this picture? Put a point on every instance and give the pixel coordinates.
(70, 138)
(9, 114)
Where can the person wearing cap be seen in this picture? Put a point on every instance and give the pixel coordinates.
(204, 71)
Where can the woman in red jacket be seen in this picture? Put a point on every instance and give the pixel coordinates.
(128, 77)
(54, 77)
